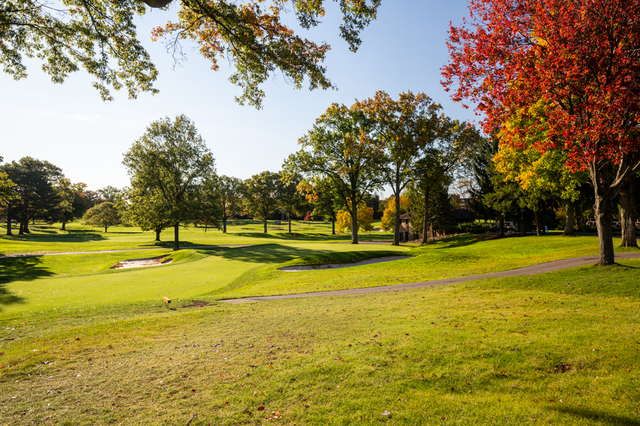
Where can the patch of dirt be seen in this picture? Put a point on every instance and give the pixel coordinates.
(342, 265)
(142, 263)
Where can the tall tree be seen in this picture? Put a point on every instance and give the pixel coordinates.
(581, 59)
(260, 195)
(402, 128)
(170, 160)
(322, 195)
(71, 205)
(339, 147)
(35, 181)
(144, 207)
(288, 197)
(101, 37)
(229, 198)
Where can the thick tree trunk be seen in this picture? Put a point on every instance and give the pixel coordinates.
(64, 223)
(224, 225)
(9, 218)
(354, 221)
(396, 228)
(536, 214)
(106, 227)
(289, 218)
(265, 226)
(627, 215)
(570, 219)
(603, 210)
(425, 223)
(333, 226)
(501, 227)
(176, 236)
(158, 231)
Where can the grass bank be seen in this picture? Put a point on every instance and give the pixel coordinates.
(560, 348)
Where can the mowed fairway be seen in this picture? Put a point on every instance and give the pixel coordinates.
(83, 344)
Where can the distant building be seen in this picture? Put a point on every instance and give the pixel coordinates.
(406, 229)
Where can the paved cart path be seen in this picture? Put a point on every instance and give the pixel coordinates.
(528, 270)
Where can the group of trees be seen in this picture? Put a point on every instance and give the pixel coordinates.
(381, 141)
(562, 78)
(32, 189)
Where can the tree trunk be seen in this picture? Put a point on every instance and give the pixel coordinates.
(176, 236)
(158, 231)
(425, 223)
(396, 227)
(265, 226)
(9, 232)
(570, 219)
(106, 227)
(523, 231)
(63, 225)
(333, 226)
(627, 215)
(224, 225)
(289, 218)
(354, 221)
(603, 210)
(536, 214)
(501, 227)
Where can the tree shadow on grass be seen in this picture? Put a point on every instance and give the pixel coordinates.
(263, 253)
(597, 415)
(453, 242)
(75, 236)
(19, 269)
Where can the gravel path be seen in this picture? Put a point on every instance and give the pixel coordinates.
(528, 270)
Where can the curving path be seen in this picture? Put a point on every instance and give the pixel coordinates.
(528, 270)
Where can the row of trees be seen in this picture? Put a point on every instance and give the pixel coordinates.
(31, 189)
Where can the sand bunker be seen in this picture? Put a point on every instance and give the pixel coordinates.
(142, 263)
(342, 265)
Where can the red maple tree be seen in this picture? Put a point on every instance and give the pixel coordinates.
(582, 58)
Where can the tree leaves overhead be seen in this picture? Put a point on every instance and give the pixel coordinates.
(99, 36)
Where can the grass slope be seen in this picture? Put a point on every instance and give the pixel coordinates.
(560, 348)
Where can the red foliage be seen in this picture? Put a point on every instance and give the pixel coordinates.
(582, 57)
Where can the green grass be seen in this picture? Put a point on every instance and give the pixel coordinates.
(455, 257)
(50, 239)
(560, 348)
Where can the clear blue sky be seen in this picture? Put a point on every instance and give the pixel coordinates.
(69, 126)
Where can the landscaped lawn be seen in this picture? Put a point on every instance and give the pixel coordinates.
(90, 345)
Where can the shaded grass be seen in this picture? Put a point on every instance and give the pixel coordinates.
(483, 352)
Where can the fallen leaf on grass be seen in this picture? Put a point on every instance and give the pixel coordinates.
(260, 408)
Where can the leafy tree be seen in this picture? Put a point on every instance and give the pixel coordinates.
(260, 195)
(322, 195)
(364, 219)
(208, 208)
(109, 193)
(402, 128)
(389, 215)
(581, 60)
(34, 194)
(100, 36)
(340, 148)
(104, 214)
(72, 205)
(288, 197)
(170, 161)
(144, 207)
(229, 198)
